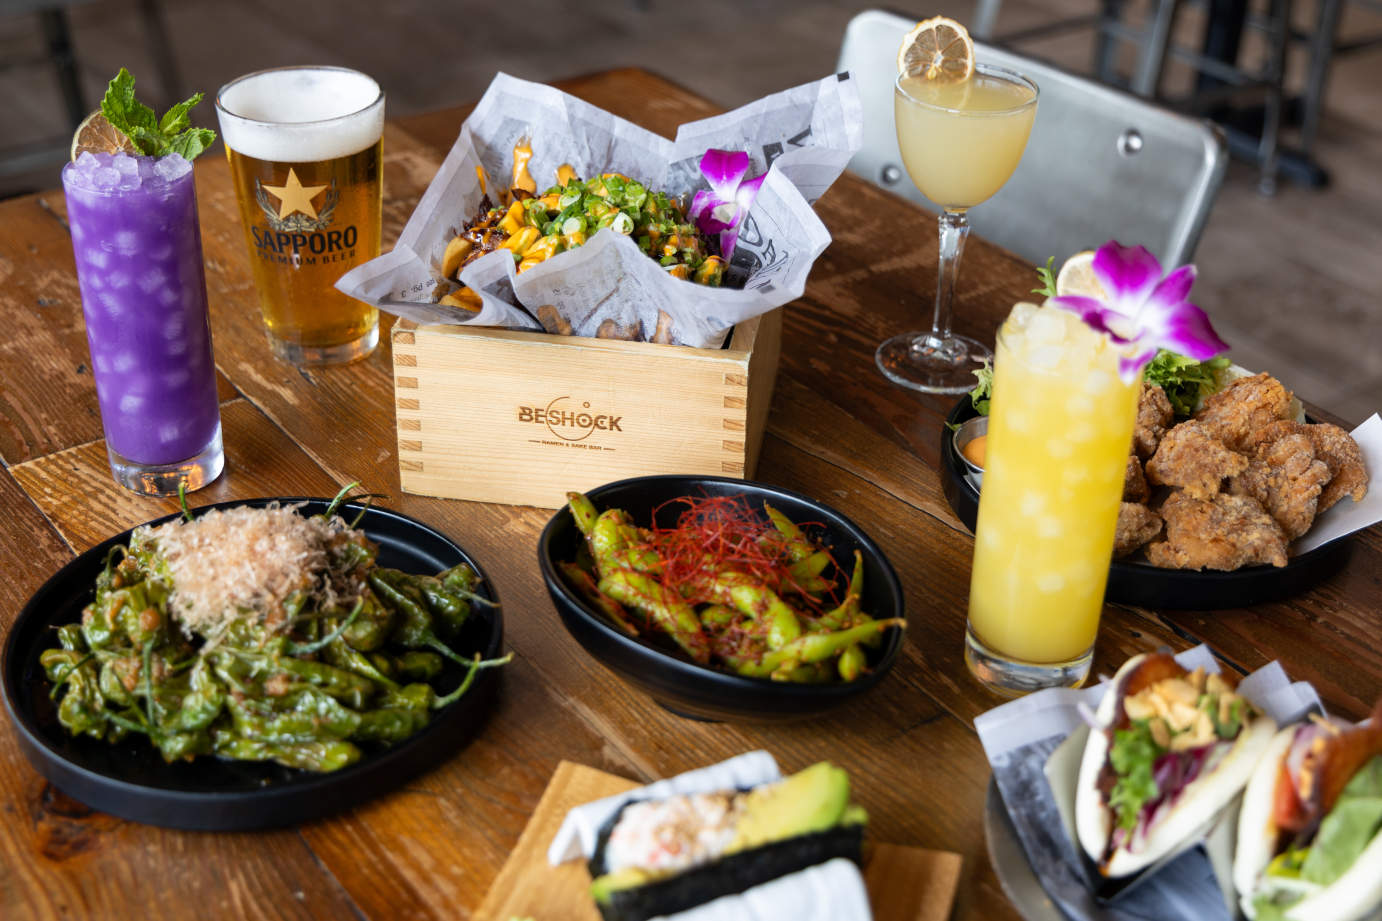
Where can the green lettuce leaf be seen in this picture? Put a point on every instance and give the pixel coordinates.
(1048, 279)
(1132, 754)
(1281, 885)
(1271, 907)
(983, 391)
(1353, 822)
(1184, 379)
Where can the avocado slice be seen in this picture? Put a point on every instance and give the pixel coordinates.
(811, 800)
(603, 887)
(855, 815)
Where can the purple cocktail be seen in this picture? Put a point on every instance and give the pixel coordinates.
(139, 263)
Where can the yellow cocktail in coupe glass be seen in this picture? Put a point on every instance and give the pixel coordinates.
(1059, 434)
(960, 141)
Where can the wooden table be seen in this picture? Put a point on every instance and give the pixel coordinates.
(837, 431)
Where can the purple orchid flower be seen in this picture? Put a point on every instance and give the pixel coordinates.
(1143, 310)
(721, 208)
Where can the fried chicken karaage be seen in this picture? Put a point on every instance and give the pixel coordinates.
(1137, 524)
(1224, 532)
(1191, 457)
(1243, 407)
(1154, 417)
(1285, 477)
(1135, 488)
(1348, 474)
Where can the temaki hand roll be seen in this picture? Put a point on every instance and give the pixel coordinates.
(659, 856)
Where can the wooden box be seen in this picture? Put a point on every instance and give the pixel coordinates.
(522, 418)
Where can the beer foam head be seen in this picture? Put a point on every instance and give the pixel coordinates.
(299, 114)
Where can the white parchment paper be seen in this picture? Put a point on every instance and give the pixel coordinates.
(802, 138)
(1348, 516)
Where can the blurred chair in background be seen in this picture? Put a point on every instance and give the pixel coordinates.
(1100, 165)
(1221, 83)
(59, 54)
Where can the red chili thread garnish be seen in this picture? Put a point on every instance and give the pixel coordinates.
(724, 532)
(718, 533)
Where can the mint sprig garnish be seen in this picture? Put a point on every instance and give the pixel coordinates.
(1048, 279)
(153, 136)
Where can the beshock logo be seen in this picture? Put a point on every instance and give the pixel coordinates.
(568, 420)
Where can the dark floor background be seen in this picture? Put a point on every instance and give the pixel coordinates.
(1293, 282)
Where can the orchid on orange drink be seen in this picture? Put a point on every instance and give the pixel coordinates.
(1142, 310)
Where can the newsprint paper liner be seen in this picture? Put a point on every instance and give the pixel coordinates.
(1021, 737)
(801, 137)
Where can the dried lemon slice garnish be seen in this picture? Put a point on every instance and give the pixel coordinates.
(938, 48)
(96, 135)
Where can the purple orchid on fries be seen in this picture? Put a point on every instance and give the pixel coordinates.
(1144, 310)
(721, 208)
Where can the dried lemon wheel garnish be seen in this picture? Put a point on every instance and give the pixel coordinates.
(96, 135)
(938, 48)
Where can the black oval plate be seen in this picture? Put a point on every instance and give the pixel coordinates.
(131, 780)
(1131, 582)
(699, 691)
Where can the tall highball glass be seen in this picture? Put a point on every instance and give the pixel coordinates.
(138, 248)
(960, 142)
(305, 150)
(1060, 424)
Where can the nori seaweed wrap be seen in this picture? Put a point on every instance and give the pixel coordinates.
(808, 822)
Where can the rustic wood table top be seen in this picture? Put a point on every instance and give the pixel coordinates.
(837, 431)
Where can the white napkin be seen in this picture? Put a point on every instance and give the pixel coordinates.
(1348, 516)
(1055, 712)
(581, 827)
(832, 891)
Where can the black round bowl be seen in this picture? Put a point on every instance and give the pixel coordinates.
(129, 779)
(1140, 583)
(675, 682)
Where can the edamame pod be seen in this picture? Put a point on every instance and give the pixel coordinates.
(676, 618)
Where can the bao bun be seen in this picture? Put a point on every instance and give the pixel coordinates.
(1177, 826)
(1352, 897)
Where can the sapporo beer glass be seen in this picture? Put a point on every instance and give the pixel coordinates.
(304, 145)
(1060, 424)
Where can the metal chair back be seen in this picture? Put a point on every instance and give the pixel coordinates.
(1100, 165)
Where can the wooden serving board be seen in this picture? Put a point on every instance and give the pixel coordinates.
(904, 883)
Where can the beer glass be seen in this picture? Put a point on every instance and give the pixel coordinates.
(304, 145)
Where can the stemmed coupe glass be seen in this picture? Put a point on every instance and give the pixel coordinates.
(960, 142)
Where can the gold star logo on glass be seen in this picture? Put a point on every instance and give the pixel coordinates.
(294, 196)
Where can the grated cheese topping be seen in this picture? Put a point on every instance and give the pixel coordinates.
(246, 562)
